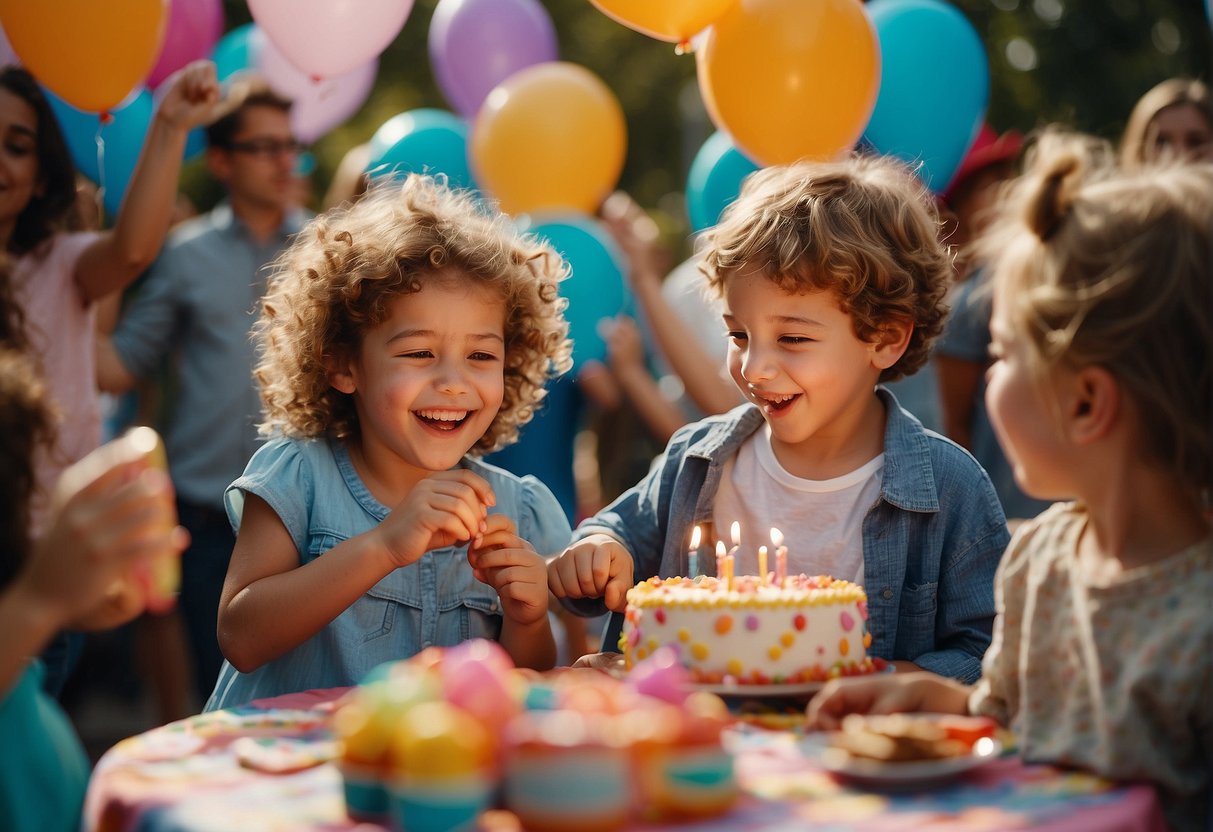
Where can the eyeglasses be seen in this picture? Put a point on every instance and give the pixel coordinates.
(267, 148)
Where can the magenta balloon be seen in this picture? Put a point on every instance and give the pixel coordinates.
(476, 44)
(193, 29)
(318, 106)
(327, 38)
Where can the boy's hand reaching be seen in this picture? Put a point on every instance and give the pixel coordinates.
(444, 509)
(509, 565)
(596, 567)
(885, 694)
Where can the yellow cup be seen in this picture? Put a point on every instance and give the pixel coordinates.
(163, 576)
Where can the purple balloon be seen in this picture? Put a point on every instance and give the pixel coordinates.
(476, 44)
(192, 30)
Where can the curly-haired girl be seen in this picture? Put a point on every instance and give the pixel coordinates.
(398, 336)
(833, 279)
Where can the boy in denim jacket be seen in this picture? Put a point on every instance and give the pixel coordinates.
(833, 280)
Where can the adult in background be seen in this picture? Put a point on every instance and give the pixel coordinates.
(199, 301)
(1171, 119)
(57, 276)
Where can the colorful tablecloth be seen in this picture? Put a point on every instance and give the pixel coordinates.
(214, 772)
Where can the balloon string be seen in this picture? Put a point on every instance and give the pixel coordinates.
(105, 119)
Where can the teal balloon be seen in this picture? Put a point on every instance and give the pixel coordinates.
(234, 53)
(714, 180)
(934, 86)
(427, 141)
(122, 141)
(596, 286)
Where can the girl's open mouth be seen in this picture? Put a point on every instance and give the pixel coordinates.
(443, 420)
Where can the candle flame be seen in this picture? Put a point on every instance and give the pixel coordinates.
(735, 533)
(696, 536)
(776, 537)
(720, 548)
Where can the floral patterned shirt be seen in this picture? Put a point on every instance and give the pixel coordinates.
(1114, 678)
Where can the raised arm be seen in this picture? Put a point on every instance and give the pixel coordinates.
(118, 256)
(699, 371)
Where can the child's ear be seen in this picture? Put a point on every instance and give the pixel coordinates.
(1093, 406)
(340, 377)
(891, 342)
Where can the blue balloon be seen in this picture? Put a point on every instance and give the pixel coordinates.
(596, 288)
(122, 141)
(714, 180)
(234, 53)
(428, 141)
(934, 86)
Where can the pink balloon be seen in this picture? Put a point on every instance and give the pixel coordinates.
(327, 38)
(192, 30)
(318, 106)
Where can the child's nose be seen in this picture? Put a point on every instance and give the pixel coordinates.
(451, 379)
(756, 365)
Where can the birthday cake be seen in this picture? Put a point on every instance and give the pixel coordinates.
(750, 631)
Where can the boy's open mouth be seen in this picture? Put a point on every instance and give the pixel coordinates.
(442, 419)
(775, 402)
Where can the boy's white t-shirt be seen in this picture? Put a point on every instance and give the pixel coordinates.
(821, 520)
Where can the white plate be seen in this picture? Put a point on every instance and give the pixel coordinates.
(911, 774)
(761, 691)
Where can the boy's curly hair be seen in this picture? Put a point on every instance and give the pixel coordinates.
(864, 227)
(338, 275)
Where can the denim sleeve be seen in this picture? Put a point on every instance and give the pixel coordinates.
(145, 329)
(965, 616)
(278, 474)
(637, 520)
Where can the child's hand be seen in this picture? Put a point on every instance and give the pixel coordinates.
(624, 343)
(192, 95)
(111, 514)
(509, 565)
(885, 694)
(444, 509)
(596, 567)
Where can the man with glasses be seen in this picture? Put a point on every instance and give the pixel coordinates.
(196, 305)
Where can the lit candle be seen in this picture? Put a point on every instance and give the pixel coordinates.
(728, 571)
(781, 556)
(762, 565)
(720, 559)
(693, 553)
(735, 535)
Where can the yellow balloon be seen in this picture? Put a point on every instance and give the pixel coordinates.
(672, 20)
(791, 79)
(88, 53)
(550, 137)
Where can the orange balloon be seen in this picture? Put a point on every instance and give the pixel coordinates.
(672, 20)
(88, 53)
(791, 79)
(550, 137)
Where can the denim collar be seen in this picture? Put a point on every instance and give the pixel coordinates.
(909, 478)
